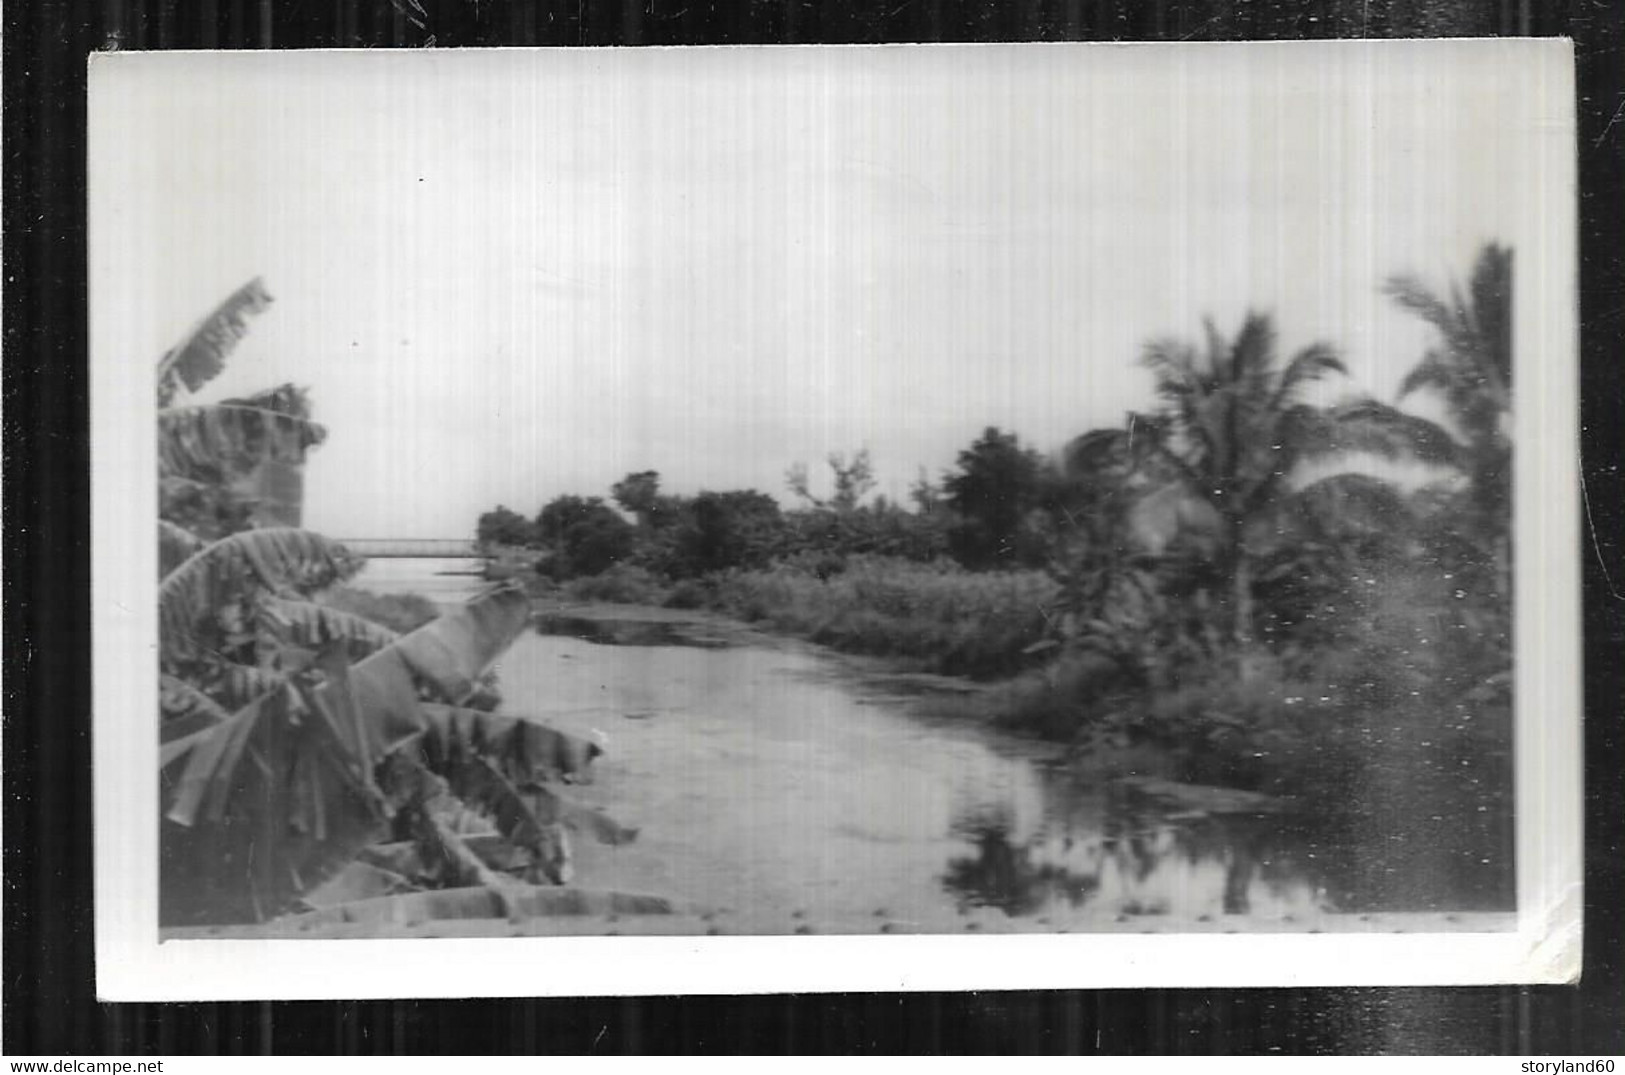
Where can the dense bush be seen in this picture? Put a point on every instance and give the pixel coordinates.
(737, 529)
(585, 534)
(622, 584)
(690, 594)
(994, 495)
(503, 526)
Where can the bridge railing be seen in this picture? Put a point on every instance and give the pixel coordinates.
(385, 548)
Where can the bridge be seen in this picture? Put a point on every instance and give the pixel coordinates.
(394, 548)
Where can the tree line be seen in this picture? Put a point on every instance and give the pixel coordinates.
(998, 509)
(1186, 530)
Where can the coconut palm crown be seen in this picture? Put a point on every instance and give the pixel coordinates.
(1233, 426)
(1470, 369)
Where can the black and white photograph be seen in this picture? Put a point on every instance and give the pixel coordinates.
(835, 517)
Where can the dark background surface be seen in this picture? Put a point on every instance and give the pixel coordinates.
(49, 1001)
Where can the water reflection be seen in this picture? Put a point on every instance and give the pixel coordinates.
(626, 632)
(1107, 852)
(1114, 852)
(445, 581)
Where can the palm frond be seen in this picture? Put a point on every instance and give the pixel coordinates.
(1095, 452)
(1252, 353)
(1491, 289)
(1370, 427)
(1148, 443)
(1362, 501)
(1218, 353)
(1306, 367)
(1475, 323)
(1413, 294)
(202, 354)
(1434, 371)
(222, 581)
(175, 545)
(1172, 364)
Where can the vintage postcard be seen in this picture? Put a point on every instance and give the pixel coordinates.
(808, 518)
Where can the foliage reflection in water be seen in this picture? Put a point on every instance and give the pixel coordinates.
(1118, 854)
(1101, 852)
(768, 779)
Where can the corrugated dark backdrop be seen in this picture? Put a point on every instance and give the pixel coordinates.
(49, 1001)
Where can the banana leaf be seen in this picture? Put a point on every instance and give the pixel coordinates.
(265, 806)
(526, 751)
(176, 545)
(275, 492)
(448, 654)
(216, 587)
(259, 810)
(383, 688)
(185, 709)
(544, 845)
(253, 453)
(235, 685)
(463, 776)
(357, 881)
(523, 755)
(552, 808)
(204, 440)
(450, 859)
(305, 623)
(286, 399)
(202, 354)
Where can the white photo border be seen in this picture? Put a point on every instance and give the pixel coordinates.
(132, 965)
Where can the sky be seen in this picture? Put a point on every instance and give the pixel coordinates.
(508, 275)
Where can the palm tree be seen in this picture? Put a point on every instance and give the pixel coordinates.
(1471, 371)
(1232, 429)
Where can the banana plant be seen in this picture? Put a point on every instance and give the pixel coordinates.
(294, 735)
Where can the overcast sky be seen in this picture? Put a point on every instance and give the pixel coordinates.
(505, 276)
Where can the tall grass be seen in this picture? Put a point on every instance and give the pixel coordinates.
(938, 616)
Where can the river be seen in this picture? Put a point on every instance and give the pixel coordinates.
(771, 781)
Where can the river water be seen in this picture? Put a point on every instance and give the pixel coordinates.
(445, 581)
(770, 781)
